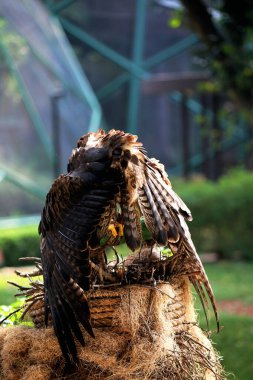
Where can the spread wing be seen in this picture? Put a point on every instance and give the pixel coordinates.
(72, 211)
(165, 214)
(146, 191)
(107, 171)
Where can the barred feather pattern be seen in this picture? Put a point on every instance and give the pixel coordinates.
(79, 207)
(164, 211)
(131, 221)
(109, 215)
(107, 169)
(68, 226)
(185, 261)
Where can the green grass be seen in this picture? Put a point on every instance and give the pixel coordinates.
(232, 281)
(7, 291)
(235, 345)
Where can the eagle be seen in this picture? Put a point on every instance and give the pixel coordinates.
(110, 189)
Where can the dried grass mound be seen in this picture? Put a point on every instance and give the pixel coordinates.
(141, 333)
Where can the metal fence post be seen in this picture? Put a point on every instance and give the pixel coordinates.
(134, 86)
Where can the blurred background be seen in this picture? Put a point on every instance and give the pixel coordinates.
(179, 74)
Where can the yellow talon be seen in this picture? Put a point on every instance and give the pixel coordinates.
(116, 229)
(120, 227)
(113, 230)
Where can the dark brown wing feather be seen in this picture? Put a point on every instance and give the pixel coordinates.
(72, 211)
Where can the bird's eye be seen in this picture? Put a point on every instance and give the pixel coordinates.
(117, 152)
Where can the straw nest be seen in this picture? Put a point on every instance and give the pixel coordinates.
(141, 333)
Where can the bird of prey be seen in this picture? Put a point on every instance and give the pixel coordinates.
(109, 186)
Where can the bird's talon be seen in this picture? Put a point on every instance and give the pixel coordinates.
(120, 229)
(113, 230)
(116, 229)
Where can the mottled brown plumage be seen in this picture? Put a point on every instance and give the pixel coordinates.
(110, 180)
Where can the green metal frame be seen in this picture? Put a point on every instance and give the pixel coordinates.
(83, 92)
(164, 55)
(22, 182)
(61, 5)
(101, 48)
(28, 102)
(136, 69)
(138, 45)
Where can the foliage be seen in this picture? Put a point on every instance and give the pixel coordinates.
(8, 304)
(227, 32)
(8, 291)
(222, 214)
(237, 330)
(19, 242)
(12, 312)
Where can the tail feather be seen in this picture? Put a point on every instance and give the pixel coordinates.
(203, 280)
(68, 307)
(152, 216)
(131, 222)
(170, 198)
(165, 214)
(185, 261)
(199, 291)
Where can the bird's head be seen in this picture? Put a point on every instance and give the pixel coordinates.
(116, 150)
(118, 146)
